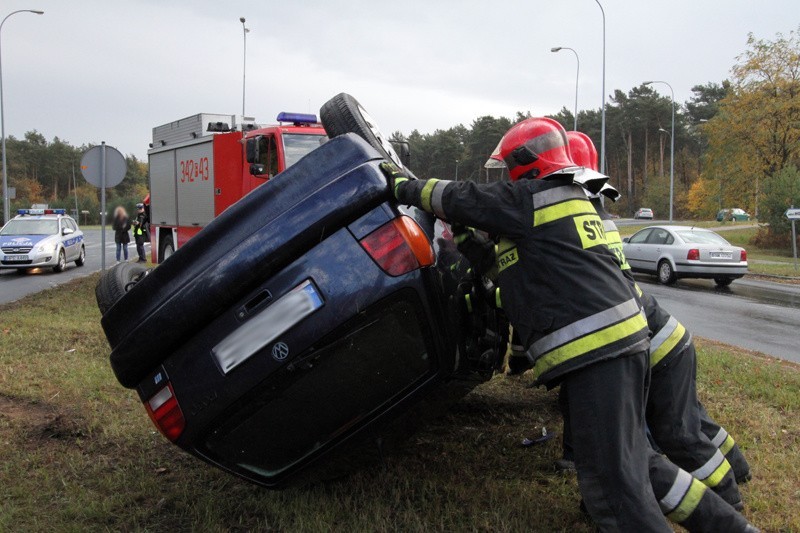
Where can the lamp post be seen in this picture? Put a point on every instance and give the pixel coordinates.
(603, 109)
(245, 31)
(577, 76)
(457, 169)
(671, 145)
(6, 200)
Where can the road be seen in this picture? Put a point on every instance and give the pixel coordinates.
(14, 286)
(757, 315)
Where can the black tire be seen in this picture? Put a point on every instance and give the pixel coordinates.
(723, 281)
(62, 262)
(167, 248)
(82, 257)
(665, 273)
(343, 114)
(115, 282)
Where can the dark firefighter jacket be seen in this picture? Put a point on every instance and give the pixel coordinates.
(561, 286)
(669, 337)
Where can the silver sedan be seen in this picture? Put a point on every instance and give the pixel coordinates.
(672, 252)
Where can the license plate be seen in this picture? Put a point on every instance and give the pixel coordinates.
(267, 326)
(16, 258)
(721, 255)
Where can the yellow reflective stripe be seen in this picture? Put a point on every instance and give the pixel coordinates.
(497, 302)
(507, 259)
(590, 342)
(461, 237)
(689, 502)
(638, 289)
(564, 209)
(425, 195)
(718, 474)
(469, 302)
(667, 346)
(727, 445)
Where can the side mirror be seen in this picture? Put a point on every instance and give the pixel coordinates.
(67, 231)
(403, 150)
(259, 171)
(251, 149)
(626, 239)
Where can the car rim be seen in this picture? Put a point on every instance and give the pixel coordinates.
(61, 260)
(665, 272)
(387, 146)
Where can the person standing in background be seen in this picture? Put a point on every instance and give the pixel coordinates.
(121, 225)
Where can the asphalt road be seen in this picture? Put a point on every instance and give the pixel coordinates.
(14, 286)
(757, 315)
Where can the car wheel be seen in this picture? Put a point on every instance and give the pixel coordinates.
(167, 249)
(723, 282)
(62, 262)
(665, 273)
(115, 282)
(343, 114)
(81, 258)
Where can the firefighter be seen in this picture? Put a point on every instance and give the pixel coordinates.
(677, 420)
(140, 232)
(590, 337)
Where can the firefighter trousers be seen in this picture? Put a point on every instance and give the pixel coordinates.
(612, 456)
(720, 438)
(688, 502)
(673, 416)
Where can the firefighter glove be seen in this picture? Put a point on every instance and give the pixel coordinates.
(476, 247)
(394, 175)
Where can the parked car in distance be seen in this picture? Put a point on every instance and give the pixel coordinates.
(735, 214)
(644, 212)
(672, 252)
(38, 238)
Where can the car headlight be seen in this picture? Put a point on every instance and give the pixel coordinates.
(47, 247)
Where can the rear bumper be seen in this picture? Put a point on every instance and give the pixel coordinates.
(710, 270)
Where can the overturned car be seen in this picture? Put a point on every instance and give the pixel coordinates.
(312, 315)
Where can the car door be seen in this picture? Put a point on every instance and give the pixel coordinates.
(69, 241)
(657, 244)
(634, 249)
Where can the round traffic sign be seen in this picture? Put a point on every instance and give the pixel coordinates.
(91, 166)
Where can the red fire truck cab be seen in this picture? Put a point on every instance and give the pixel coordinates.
(202, 164)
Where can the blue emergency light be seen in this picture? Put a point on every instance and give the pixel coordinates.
(41, 211)
(297, 118)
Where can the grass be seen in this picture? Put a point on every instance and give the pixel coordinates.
(80, 454)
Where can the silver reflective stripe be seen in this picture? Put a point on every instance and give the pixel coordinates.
(609, 225)
(436, 199)
(557, 194)
(676, 492)
(663, 334)
(585, 326)
(719, 438)
(710, 467)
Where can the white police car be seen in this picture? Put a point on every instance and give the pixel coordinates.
(38, 238)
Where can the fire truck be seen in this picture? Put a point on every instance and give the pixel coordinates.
(202, 164)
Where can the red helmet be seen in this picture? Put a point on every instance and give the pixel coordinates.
(582, 150)
(536, 148)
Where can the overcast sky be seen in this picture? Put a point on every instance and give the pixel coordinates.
(99, 70)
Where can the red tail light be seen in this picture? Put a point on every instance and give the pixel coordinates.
(693, 255)
(744, 256)
(165, 413)
(399, 246)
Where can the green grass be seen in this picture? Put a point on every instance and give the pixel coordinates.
(80, 454)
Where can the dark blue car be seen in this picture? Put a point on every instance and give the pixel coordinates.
(309, 315)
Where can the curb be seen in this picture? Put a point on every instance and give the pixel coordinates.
(774, 276)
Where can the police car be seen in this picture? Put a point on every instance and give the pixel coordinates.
(38, 238)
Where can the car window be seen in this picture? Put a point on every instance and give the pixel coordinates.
(658, 236)
(71, 224)
(30, 227)
(701, 237)
(640, 237)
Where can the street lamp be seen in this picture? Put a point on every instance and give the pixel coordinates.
(577, 75)
(6, 200)
(671, 145)
(245, 31)
(603, 109)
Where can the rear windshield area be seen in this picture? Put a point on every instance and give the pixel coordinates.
(702, 237)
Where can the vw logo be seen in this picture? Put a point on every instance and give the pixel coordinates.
(280, 351)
